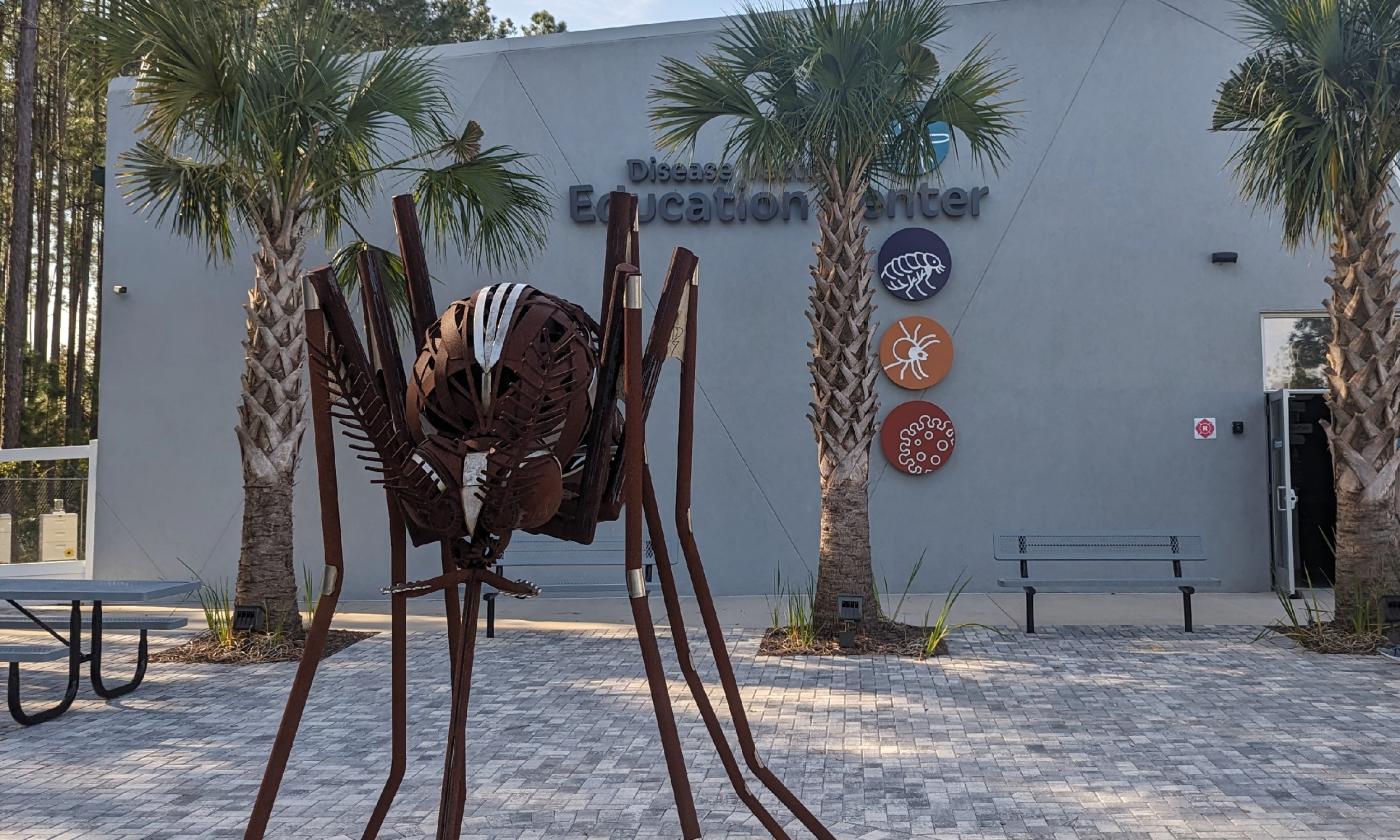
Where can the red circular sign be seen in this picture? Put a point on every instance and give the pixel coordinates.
(1204, 428)
(917, 437)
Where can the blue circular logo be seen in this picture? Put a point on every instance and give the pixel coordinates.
(941, 134)
(914, 264)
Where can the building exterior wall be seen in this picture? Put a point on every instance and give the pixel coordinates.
(1090, 326)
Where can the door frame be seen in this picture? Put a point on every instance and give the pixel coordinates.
(1276, 484)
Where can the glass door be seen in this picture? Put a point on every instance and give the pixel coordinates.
(1282, 498)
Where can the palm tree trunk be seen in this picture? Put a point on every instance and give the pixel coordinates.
(270, 424)
(844, 403)
(20, 210)
(1364, 372)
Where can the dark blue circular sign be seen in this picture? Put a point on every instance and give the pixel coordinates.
(914, 263)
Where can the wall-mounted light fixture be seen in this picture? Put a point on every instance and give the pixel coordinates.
(1224, 257)
(119, 289)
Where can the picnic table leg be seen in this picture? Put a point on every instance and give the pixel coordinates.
(75, 661)
(95, 661)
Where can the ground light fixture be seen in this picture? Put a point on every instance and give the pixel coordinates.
(849, 611)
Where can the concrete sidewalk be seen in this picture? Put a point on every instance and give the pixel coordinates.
(753, 612)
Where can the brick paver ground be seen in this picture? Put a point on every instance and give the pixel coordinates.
(1074, 733)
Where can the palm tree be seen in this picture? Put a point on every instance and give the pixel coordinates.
(265, 124)
(1318, 103)
(846, 93)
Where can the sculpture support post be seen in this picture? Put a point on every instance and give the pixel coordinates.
(676, 618)
(634, 462)
(334, 570)
(685, 456)
(454, 773)
(398, 686)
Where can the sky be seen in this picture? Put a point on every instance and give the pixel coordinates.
(600, 14)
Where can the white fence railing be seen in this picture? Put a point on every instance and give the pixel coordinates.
(48, 511)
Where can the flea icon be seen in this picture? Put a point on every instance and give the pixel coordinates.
(910, 352)
(913, 275)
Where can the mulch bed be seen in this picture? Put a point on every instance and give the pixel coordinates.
(886, 638)
(1333, 637)
(253, 648)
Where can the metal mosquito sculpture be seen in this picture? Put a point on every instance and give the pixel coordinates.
(511, 420)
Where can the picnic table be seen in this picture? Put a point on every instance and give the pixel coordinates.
(76, 593)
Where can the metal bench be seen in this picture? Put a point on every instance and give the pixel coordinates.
(527, 550)
(1157, 547)
(15, 654)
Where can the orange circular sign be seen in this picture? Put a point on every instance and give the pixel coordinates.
(916, 352)
(917, 437)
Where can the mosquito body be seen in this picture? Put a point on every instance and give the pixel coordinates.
(512, 417)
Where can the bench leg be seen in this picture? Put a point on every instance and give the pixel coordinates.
(95, 661)
(1030, 609)
(75, 660)
(1186, 592)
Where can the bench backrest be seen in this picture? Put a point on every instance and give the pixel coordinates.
(1157, 546)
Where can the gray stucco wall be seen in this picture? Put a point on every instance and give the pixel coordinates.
(1089, 324)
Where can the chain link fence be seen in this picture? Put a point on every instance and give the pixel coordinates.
(44, 501)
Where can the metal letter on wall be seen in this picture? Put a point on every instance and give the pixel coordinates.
(914, 264)
(916, 352)
(917, 437)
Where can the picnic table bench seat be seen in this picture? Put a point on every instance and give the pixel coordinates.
(121, 621)
(32, 653)
(1024, 548)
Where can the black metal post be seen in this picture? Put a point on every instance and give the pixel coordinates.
(95, 661)
(75, 661)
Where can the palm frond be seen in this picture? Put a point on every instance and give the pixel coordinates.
(491, 207)
(199, 200)
(842, 90)
(1317, 107)
(265, 118)
(345, 264)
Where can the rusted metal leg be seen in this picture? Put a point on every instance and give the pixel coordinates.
(634, 462)
(453, 800)
(685, 438)
(692, 677)
(398, 688)
(330, 592)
